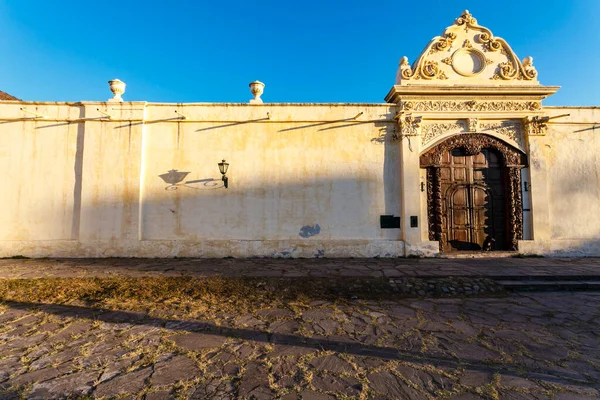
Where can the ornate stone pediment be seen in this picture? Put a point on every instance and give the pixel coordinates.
(470, 54)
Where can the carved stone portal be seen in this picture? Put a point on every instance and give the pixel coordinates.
(511, 160)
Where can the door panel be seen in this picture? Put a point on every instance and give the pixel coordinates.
(473, 204)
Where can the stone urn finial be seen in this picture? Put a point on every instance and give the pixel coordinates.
(117, 87)
(256, 88)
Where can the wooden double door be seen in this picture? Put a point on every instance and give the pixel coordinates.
(473, 200)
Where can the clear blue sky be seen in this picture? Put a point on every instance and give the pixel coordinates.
(305, 51)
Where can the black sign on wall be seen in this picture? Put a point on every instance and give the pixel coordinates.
(389, 222)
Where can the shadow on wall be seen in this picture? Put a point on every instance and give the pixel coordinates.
(179, 206)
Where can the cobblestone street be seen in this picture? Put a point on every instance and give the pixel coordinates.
(514, 346)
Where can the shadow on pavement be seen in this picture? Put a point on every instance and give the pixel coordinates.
(323, 344)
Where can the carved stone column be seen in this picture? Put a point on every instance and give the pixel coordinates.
(515, 212)
(434, 203)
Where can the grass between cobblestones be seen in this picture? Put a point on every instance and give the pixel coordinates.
(228, 294)
(294, 337)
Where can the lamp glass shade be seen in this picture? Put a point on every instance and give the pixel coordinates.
(223, 167)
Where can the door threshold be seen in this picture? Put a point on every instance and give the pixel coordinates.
(478, 254)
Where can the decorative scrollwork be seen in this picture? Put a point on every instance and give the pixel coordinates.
(490, 43)
(466, 19)
(476, 42)
(409, 125)
(515, 212)
(470, 142)
(471, 105)
(430, 70)
(444, 43)
(536, 126)
(431, 131)
(510, 129)
(434, 203)
(529, 70)
(472, 124)
(506, 71)
(405, 70)
(509, 70)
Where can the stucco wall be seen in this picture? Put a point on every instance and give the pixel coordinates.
(573, 162)
(304, 180)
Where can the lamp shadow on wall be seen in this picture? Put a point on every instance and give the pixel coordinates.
(175, 179)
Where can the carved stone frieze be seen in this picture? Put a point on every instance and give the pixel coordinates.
(431, 131)
(471, 105)
(409, 125)
(472, 143)
(515, 211)
(535, 126)
(472, 124)
(434, 203)
(511, 129)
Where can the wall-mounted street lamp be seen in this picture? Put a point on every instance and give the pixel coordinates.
(223, 169)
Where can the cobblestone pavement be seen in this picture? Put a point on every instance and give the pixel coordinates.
(519, 346)
(285, 267)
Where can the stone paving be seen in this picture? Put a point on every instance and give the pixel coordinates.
(286, 267)
(519, 346)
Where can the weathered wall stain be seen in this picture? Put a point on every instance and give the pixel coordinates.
(309, 230)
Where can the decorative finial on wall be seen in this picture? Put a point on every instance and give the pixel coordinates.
(256, 88)
(117, 87)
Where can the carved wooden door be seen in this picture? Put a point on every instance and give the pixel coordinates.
(473, 200)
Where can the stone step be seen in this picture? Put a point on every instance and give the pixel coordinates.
(549, 285)
(479, 254)
(544, 278)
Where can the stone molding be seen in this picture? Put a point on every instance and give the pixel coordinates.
(409, 125)
(433, 130)
(511, 130)
(536, 126)
(469, 106)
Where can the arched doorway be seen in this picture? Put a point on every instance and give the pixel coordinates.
(473, 193)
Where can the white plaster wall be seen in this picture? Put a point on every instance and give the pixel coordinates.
(87, 185)
(573, 162)
(37, 180)
(79, 184)
(284, 175)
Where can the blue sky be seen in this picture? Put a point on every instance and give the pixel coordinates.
(304, 51)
